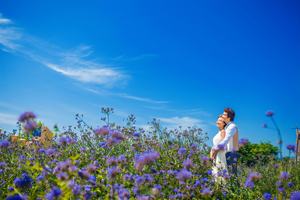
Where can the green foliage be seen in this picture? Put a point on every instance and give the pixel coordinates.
(252, 154)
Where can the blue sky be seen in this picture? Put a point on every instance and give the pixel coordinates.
(179, 61)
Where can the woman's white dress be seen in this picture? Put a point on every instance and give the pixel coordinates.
(219, 164)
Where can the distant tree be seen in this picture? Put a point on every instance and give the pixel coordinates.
(262, 153)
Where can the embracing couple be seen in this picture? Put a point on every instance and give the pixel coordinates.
(225, 144)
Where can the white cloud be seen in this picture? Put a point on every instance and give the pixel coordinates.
(4, 20)
(8, 119)
(125, 96)
(102, 76)
(184, 122)
(142, 99)
(74, 63)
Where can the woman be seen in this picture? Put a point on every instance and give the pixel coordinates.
(219, 162)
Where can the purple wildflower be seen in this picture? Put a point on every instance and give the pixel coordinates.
(24, 182)
(249, 184)
(183, 175)
(112, 161)
(30, 125)
(269, 113)
(65, 140)
(181, 151)
(290, 184)
(291, 147)
(295, 195)
(284, 175)
(4, 143)
(188, 163)
(156, 190)
(102, 131)
(83, 173)
(206, 192)
(139, 180)
(53, 194)
(243, 141)
(136, 134)
(112, 172)
(123, 194)
(144, 159)
(26, 116)
(253, 176)
(204, 158)
(50, 152)
(15, 197)
(267, 196)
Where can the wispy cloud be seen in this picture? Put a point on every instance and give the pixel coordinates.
(124, 58)
(125, 96)
(74, 63)
(142, 99)
(8, 119)
(4, 20)
(184, 122)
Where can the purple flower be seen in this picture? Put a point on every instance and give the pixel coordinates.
(92, 179)
(269, 113)
(53, 194)
(62, 176)
(265, 125)
(83, 173)
(290, 184)
(155, 191)
(204, 158)
(102, 131)
(64, 140)
(26, 116)
(291, 147)
(112, 161)
(181, 151)
(188, 163)
(295, 195)
(123, 194)
(30, 125)
(183, 175)
(136, 134)
(15, 197)
(121, 159)
(139, 180)
(281, 189)
(267, 196)
(253, 176)
(206, 192)
(143, 197)
(284, 175)
(24, 182)
(144, 159)
(40, 178)
(243, 141)
(209, 172)
(50, 152)
(4, 143)
(249, 184)
(2, 164)
(91, 168)
(112, 172)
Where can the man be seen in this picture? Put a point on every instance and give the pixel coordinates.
(230, 141)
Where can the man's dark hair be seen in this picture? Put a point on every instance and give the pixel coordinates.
(230, 113)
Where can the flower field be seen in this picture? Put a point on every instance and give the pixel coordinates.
(123, 162)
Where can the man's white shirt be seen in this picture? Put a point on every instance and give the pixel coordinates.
(230, 130)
